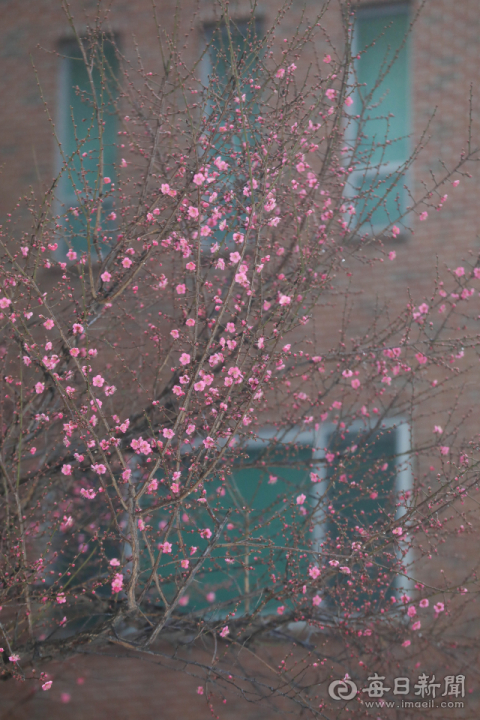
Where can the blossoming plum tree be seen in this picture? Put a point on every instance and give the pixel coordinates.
(200, 430)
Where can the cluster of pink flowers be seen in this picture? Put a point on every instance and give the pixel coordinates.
(117, 583)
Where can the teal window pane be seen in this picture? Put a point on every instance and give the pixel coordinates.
(237, 575)
(232, 60)
(384, 143)
(86, 143)
(361, 501)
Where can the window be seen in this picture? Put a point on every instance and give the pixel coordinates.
(366, 483)
(359, 491)
(89, 152)
(257, 494)
(229, 68)
(381, 45)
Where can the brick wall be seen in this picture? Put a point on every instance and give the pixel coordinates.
(444, 60)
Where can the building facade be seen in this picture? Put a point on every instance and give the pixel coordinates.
(433, 95)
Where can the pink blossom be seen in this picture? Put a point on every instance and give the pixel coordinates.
(327, 59)
(48, 324)
(185, 563)
(238, 238)
(184, 359)
(199, 178)
(314, 572)
(423, 216)
(126, 262)
(107, 180)
(424, 603)
(209, 442)
(47, 685)
(190, 266)
(280, 73)
(190, 429)
(109, 389)
(284, 300)
(280, 609)
(406, 643)
(106, 277)
(316, 600)
(224, 632)
(301, 499)
(206, 533)
(349, 101)
(77, 328)
(117, 583)
(88, 494)
(98, 381)
(392, 255)
(72, 255)
(152, 486)
(99, 469)
(444, 450)
(345, 570)
(4, 302)
(397, 531)
(355, 383)
(165, 188)
(165, 547)
(168, 433)
(39, 388)
(329, 457)
(438, 429)
(114, 562)
(199, 690)
(67, 469)
(180, 289)
(61, 598)
(193, 212)
(460, 271)
(331, 93)
(439, 607)
(412, 611)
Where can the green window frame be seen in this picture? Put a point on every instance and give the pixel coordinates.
(221, 51)
(242, 574)
(381, 44)
(361, 488)
(81, 141)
